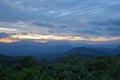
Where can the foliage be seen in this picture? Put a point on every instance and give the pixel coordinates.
(71, 68)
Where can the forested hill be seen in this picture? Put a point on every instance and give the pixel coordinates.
(7, 60)
(80, 52)
(93, 51)
(70, 68)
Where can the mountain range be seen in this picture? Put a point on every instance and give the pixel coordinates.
(77, 51)
(23, 48)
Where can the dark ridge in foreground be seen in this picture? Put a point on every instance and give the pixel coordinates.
(80, 52)
(69, 68)
(93, 51)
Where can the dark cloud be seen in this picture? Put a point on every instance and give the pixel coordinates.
(63, 27)
(8, 13)
(40, 24)
(78, 16)
(11, 14)
(110, 26)
(50, 31)
(114, 8)
(4, 35)
(115, 29)
(110, 22)
(91, 32)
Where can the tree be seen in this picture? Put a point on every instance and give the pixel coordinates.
(27, 61)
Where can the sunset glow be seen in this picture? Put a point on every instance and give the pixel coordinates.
(70, 20)
(7, 40)
(45, 38)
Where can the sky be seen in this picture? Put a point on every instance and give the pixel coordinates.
(92, 21)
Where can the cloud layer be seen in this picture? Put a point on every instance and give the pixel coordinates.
(92, 20)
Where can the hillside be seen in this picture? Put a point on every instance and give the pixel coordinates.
(84, 51)
(70, 68)
(80, 52)
(7, 60)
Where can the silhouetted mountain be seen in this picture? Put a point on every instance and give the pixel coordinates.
(80, 52)
(25, 47)
(84, 51)
(31, 48)
(7, 60)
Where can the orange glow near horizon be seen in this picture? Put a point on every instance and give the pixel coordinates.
(103, 39)
(41, 41)
(7, 40)
(45, 38)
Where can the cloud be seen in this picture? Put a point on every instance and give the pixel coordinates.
(41, 41)
(10, 14)
(74, 18)
(109, 22)
(7, 29)
(44, 37)
(7, 40)
(40, 37)
(41, 24)
(10, 38)
(110, 26)
(3, 35)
